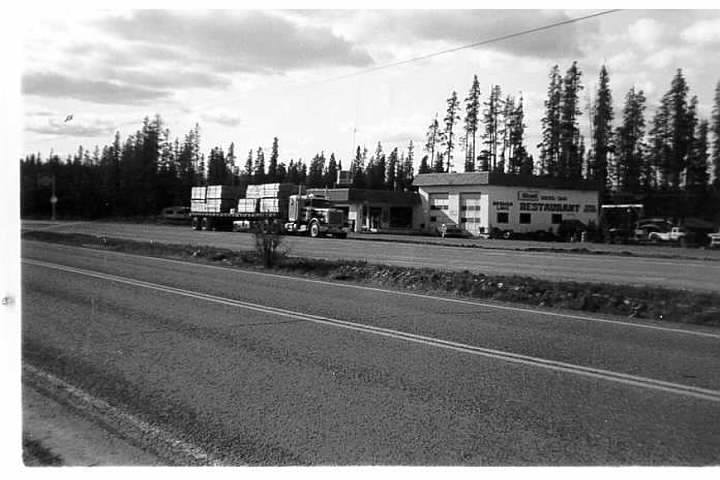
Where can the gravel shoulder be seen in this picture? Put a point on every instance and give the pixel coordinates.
(57, 435)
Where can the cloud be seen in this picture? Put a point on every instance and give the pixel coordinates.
(88, 128)
(223, 118)
(169, 78)
(666, 57)
(253, 41)
(469, 26)
(703, 32)
(646, 33)
(97, 91)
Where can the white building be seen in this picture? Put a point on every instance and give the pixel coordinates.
(479, 202)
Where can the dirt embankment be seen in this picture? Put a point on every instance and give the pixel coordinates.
(637, 302)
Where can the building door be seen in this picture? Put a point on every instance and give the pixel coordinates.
(470, 218)
(375, 214)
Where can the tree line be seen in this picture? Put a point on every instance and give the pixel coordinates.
(673, 152)
(148, 171)
(500, 126)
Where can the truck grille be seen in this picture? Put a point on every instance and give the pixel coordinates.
(335, 218)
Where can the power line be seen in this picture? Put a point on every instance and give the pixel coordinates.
(445, 52)
(431, 55)
(478, 44)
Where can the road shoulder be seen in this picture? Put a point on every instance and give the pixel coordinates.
(71, 439)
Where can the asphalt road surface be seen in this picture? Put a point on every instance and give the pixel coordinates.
(682, 273)
(262, 369)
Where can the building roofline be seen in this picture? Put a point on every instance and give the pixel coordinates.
(503, 179)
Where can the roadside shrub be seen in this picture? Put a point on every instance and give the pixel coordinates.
(267, 247)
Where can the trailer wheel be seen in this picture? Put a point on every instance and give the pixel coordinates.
(314, 229)
(196, 223)
(206, 223)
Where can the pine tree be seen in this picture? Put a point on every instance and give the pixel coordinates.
(602, 117)
(550, 146)
(259, 170)
(391, 177)
(506, 122)
(716, 133)
(527, 166)
(408, 172)
(281, 172)
(452, 116)
(249, 168)
(516, 140)
(424, 166)
(570, 159)
(491, 124)
(375, 171)
(697, 168)
(660, 146)
(330, 177)
(315, 172)
(357, 169)
(629, 170)
(432, 138)
(682, 129)
(272, 175)
(231, 158)
(218, 171)
(472, 117)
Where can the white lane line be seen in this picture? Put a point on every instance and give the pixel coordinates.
(142, 429)
(565, 316)
(608, 375)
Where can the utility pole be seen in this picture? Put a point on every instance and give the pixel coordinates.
(352, 153)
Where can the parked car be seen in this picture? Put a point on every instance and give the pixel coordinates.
(572, 229)
(175, 214)
(452, 230)
(675, 235)
(643, 230)
(714, 240)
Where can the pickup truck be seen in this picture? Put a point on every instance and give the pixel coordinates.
(714, 240)
(675, 234)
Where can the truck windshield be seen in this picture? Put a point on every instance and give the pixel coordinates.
(319, 203)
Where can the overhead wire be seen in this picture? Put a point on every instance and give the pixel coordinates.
(419, 58)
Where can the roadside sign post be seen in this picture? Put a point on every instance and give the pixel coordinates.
(53, 199)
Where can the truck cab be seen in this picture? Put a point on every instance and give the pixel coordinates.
(315, 216)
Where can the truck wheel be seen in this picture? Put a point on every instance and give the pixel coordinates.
(314, 229)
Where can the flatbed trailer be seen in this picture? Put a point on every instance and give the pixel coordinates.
(310, 214)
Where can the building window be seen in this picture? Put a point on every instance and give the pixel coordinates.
(556, 218)
(439, 201)
(502, 217)
(433, 219)
(525, 218)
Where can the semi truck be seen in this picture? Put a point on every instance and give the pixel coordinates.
(273, 207)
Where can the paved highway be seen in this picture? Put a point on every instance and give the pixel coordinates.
(693, 274)
(263, 369)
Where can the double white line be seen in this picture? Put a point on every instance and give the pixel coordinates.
(607, 375)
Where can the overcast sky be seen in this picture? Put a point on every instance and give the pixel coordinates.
(247, 76)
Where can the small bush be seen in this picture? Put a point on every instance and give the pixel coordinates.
(267, 247)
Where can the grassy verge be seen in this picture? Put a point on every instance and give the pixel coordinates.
(637, 302)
